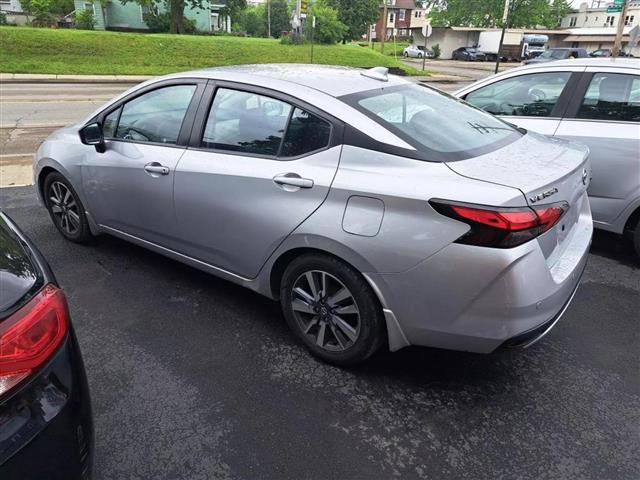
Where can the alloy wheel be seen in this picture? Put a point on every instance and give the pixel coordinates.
(64, 207)
(325, 310)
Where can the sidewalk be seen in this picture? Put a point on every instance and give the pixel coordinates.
(52, 78)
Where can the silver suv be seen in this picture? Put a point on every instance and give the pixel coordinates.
(591, 101)
(378, 212)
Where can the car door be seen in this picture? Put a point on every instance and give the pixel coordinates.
(258, 165)
(605, 115)
(129, 187)
(534, 100)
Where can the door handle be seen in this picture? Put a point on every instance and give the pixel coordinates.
(293, 180)
(156, 168)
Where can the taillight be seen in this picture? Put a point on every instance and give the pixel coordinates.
(31, 335)
(502, 227)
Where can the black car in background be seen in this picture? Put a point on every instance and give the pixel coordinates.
(46, 431)
(469, 54)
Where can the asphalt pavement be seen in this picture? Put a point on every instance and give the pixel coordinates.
(195, 378)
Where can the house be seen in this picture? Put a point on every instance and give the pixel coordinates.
(402, 17)
(592, 28)
(13, 10)
(130, 16)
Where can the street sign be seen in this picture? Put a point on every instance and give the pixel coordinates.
(427, 30)
(304, 6)
(618, 3)
(614, 9)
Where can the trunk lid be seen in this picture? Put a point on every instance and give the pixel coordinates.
(546, 171)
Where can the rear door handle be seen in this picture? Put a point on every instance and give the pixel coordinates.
(293, 180)
(156, 168)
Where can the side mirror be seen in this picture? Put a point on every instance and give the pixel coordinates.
(91, 134)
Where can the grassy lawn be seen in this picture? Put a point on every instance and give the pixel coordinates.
(390, 48)
(39, 50)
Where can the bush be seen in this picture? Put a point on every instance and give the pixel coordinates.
(329, 29)
(161, 23)
(85, 20)
(436, 50)
(3, 18)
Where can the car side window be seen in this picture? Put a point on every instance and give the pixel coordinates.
(305, 133)
(612, 96)
(246, 122)
(155, 116)
(532, 95)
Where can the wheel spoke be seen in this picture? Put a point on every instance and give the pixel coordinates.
(339, 296)
(338, 335)
(324, 284)
(321, 334)
(72, 203)
(67, 196)
(74, 217)
(347, 310)
(345, 328)
(64, 222)
(302, 306)
(56, 209)
(305, 296)
(312, 285)
(311, 324)
(54, 200)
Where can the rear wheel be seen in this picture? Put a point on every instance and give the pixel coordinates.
(66, 209)
(331, 309)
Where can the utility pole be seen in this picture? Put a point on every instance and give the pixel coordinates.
(269, 18)
(617, 45)
(384, 26)
(505, 21)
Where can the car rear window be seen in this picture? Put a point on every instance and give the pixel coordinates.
(433, 122)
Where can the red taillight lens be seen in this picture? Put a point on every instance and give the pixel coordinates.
(31, 335)
(502, 227)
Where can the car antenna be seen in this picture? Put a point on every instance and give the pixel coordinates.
(377, 73)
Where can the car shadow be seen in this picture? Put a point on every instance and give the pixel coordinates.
(615, 247)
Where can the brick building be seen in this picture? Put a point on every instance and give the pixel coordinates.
(402, 16)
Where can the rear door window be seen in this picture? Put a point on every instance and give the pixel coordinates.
(246, 122)
(533, 95)
(305, 133)
(612, 96)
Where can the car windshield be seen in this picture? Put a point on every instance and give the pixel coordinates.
(557, 54)
(441, 126)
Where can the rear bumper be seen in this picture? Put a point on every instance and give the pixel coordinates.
(476, 299)
(46, 429)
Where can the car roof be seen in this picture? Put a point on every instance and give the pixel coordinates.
(622, 62)
(331, 80)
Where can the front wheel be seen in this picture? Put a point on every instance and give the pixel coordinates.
(331, 308)
(406, 55)
(66, 209)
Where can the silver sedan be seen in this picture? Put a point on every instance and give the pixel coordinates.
(417, 51)
(378, 212)
(592, 101)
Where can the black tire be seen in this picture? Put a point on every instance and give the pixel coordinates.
(406, 55)
(636, 239)
(420, 55)
(76, 227)
(371, 332)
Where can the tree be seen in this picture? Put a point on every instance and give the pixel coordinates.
(488, 13)
(356, 15)
(328, 28)
(174, 7)
(234, 8)
(280, 17)
(253, 21)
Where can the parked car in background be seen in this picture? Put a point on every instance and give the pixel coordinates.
(469, 54)
(606, 52)
(377, 211)
(554, 54)
(591, 101)
(45, 416)
(417, 51)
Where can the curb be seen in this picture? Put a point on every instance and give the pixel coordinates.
(51, 78)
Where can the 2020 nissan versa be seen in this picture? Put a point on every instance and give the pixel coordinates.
(377, 211)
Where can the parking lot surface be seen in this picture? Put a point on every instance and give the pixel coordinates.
(195, 378)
